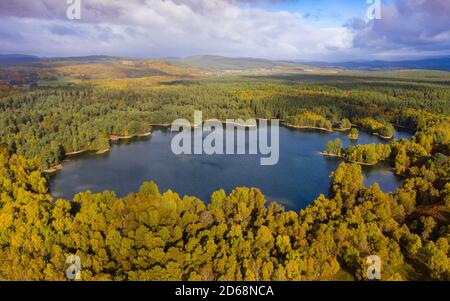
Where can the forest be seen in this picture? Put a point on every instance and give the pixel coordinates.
(48, 121)
(153, 235)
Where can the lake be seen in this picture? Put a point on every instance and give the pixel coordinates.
(300, 176)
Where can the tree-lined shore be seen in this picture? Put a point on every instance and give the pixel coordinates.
(149, 235)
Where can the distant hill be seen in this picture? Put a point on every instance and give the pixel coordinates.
(17, 59)
(438, 63)
(76, 60)
(22, 59)
(220, 63)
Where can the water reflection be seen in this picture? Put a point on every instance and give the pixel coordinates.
(301, 175)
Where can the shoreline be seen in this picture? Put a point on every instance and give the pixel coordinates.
(196, 126)
(145, 134)
(117, 138)
(347, 160)
(341, 130)
(383, 137)
(60, 166)
(76, 152)
(304, 127)
(53, 169)
(241, 125)
(331, 155)
(102, 151)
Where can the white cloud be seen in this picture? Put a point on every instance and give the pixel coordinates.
(155, 28)
(165, 28)
(407, 29)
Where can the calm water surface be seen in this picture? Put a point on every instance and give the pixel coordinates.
(301, 175)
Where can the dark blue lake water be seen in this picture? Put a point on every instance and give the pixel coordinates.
(300, 176)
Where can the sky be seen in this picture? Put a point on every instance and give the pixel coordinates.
(307, 30)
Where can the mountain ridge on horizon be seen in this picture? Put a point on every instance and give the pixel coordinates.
(217, 62)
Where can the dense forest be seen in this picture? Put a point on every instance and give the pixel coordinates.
(153, 235)
(51, 120)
